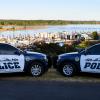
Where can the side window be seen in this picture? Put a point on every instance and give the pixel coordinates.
(6, 49)
(95, 50)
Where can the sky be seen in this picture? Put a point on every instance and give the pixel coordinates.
(50, 9)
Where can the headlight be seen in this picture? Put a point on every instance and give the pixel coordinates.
(27, 58)
(46, 59)
(59, 57)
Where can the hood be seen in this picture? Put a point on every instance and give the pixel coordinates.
(35, 53)
(65, 54)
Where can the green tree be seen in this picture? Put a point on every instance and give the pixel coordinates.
(95, 35)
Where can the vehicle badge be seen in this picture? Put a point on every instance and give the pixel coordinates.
(76, 58)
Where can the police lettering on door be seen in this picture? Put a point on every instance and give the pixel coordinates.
(93, 64)
(11, 63)
(90, 64)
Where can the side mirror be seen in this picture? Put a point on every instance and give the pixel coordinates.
(25, 51)
(18, 52)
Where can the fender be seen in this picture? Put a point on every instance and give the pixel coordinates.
(29, 63)
(77, 65)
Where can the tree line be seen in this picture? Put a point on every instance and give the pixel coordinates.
(44, 22)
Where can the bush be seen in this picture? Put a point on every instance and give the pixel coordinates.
(53, 48)
(95, 36)
(83, 44)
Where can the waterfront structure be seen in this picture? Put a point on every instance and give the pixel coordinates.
(56, 34)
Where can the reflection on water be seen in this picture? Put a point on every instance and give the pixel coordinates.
(68, 28)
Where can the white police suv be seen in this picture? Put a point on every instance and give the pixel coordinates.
(15, 60)
(87, 60)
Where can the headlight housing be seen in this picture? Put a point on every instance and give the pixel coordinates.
(59, 57)
(45, 58)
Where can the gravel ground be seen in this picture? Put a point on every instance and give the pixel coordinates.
(53, 75)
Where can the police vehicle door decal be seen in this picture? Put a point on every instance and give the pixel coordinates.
(90, 63)
(11, 63)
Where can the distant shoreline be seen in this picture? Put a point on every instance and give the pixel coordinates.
(32, 27)
(14, 28)
(44, 22)
(38, 24)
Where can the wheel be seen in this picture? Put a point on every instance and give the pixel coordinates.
(36, 69)
(67, 69)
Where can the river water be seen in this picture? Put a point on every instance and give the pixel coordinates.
(68, 28)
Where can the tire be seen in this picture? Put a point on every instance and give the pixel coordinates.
(67, 69)
(36, 69)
